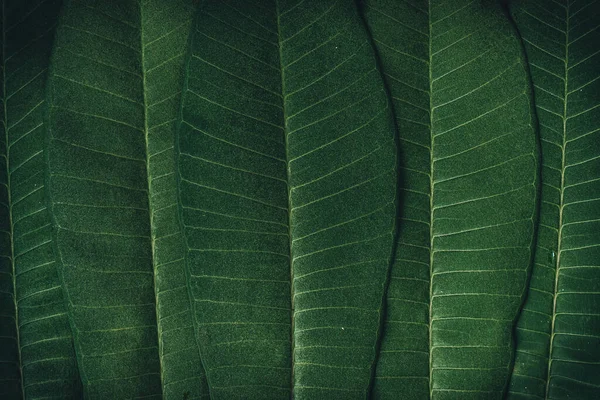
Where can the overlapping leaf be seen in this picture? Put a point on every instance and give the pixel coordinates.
(36, 346)
(286, 170)
(458, 79)
(114, 96)
(287, 184)
(558, 334)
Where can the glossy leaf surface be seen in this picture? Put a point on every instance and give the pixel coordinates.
(287, 184)
(37, 358)
(114, 95)
(468, 157)
(558, 334)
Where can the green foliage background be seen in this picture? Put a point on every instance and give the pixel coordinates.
(300, 199)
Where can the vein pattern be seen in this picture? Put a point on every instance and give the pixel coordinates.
(558, 333)
(163, 46)
(468, 176)
(287, 186)
(114, 92)
(38, 358)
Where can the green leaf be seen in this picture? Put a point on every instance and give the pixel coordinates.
(558, 334)
(287, 186)
(250, 227)
(114, 95)
(468, 159)
(37, 358)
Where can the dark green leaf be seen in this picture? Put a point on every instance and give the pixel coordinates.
(36, 346)
(287, 185)
(558, 334)
(287, 177)
(468, 154)
(114, 94)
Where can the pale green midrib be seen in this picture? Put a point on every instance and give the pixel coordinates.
(289, 191)
(431, 185)
(561, 204)
(8, 192)
(149, 192)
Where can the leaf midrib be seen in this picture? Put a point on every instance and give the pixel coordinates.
(149, 193)
(431, 190)
(561, 203)
(9, 200)
(289, 203)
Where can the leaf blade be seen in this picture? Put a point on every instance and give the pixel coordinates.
(259, 127)
(552, 359)
(460, 270)
(44, 354)
(114, 94)
(164, 46)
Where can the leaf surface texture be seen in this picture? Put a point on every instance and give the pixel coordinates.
(468, 155)
(37, 357)
(225, 196)
(114, 94)
(287, 185)
(558, 333)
